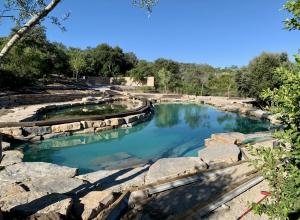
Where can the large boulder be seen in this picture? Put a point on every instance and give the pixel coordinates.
(117, 180)
(59, 184)
(117, 121)
(37, 130)
(66, 127)
(169, 168)
(27, 203)
(11, 157)
(13, 131)
(30, 170)
(227, 138)
(93, 203)
(220, 153)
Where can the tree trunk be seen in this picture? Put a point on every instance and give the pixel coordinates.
(23, 30)
(228, 91)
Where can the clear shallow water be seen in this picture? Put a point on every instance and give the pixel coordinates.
(176, 130)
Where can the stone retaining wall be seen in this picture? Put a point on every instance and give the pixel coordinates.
(29, 99)
(39, 130)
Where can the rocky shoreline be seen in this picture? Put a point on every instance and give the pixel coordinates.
(35, 189)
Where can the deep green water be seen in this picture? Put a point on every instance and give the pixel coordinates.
(176, 130)
(82, 110)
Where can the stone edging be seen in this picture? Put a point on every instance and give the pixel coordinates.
(39, 130)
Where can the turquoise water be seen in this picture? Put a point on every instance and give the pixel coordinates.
(175, 130)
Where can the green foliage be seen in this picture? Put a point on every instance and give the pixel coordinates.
(167, 74)
(222, 85)
(280, 165)
(293, 7)
(141, 70)
(77, 62)
(260, 74)
(34, 58)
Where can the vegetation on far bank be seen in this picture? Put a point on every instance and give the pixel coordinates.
(36, 60)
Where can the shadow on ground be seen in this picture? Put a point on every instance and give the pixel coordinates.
(24, 211)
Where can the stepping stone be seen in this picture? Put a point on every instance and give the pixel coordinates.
(228, 138)
(167, 168)
(219, 152)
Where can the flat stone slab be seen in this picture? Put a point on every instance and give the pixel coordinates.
(219, 152)
(167, 168)
(228, 138)
(30, 170)
(27, 203)
(55, 184)
(117, 180)
(11, 157)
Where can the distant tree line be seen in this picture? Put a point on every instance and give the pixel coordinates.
(35, 59)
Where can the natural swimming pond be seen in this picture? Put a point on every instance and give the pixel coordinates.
(175, 130)
(87, 110)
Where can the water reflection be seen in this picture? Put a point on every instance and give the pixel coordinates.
(166, 117)
(196, 117)
(175, 130)
(242, 124)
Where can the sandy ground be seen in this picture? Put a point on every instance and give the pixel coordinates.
(240, 204)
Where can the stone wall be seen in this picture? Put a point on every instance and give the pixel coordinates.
(124, 81)
(38, 130)
(29, 99)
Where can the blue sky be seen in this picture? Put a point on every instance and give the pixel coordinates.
(217, 32)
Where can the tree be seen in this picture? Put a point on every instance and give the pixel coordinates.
(77, 62)
(280, 165)
(141, 70)
(168, 72)
(164, 79)
(32, 13)
(222, 85)
(260, 74)
(33, 59)
(293, 23)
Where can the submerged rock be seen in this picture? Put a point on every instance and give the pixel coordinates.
(56, 135)
(168, 168)
(29, 170)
